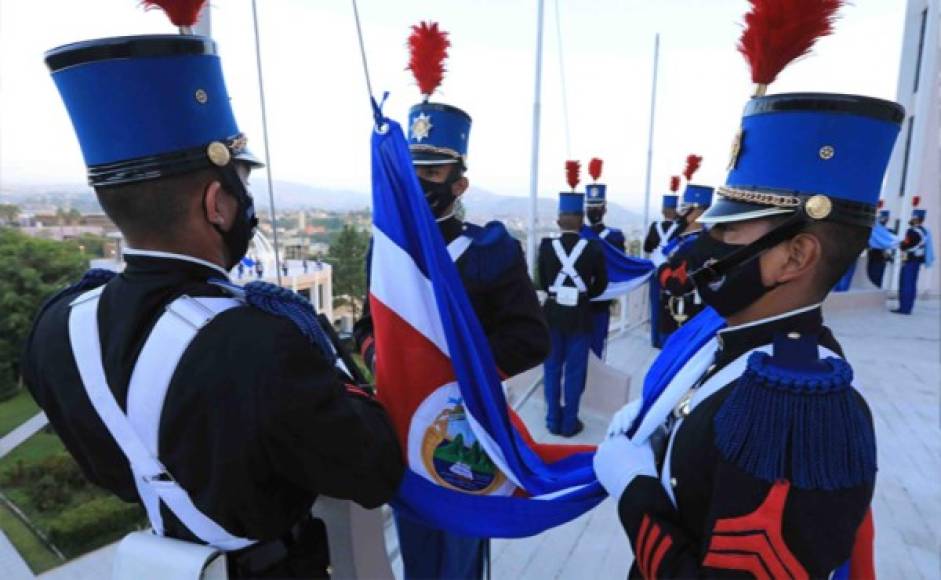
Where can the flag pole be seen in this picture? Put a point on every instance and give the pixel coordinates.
(534, 167)
(653, 110)
(264, 132)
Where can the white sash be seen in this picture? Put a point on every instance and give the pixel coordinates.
(137, 433)
(568, 265)
(604, 234)
(458, 246)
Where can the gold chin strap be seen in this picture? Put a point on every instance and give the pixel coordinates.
(417, 147)
(759, 197)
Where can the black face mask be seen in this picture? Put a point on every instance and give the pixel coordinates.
(238, 236)
(440, 196)
(594, 215)
(738, 289)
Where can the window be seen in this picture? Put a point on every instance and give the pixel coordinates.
(908, 150)
(921, 48)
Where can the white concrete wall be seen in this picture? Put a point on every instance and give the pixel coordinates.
(923, 174)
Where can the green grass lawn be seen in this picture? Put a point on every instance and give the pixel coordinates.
(37, 555)
(13, 412)
(39, 446)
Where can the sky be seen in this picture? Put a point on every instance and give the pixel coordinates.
(319, 118)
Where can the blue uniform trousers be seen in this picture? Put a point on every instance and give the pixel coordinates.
(876, 270)
(908, 285)
(568, 360)
(599, 334)
(432, 553)
(656, 336)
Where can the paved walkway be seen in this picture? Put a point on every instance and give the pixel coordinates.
(14, 438)
(897, 360)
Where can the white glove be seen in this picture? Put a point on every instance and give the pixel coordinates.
(618, 461)
(622, 420)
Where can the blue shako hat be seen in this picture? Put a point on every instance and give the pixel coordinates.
(697, 195)
(919, 213)
(437, 133)
(884, 214)
(571, 202)
(821, 156)
(670, 201)
(595, 194)
(826, 153)
(145, 107)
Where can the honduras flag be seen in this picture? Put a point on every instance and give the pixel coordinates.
(472, 467)
(880, 238)
(624, 272)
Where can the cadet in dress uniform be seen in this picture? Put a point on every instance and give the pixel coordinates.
(877, 256)
(916, 250)
(758, 459)
(659, 235)
(493, 269)
(678, 298)
(596, 206)
(572, 271)
(251, 417)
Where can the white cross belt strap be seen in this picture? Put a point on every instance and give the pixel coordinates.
(604, 234)
(137, 433)
(567, 295)
(458, 246)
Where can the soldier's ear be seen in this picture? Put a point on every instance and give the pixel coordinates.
(460, 186)
(800, 256)
(218, 206)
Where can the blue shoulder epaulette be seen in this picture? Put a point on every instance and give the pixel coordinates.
(92, 279)
(493, 251)
(793, 416)
(282, 302)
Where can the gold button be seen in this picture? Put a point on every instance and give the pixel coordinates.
(827, 152)
(794, 335)
(673, 482)
(201, 96)
(818, 207)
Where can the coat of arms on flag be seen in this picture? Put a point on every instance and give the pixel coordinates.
(472, 467)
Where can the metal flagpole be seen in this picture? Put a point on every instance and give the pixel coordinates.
(565, 99)
(264, 131)
(653, 110)
(534, 168)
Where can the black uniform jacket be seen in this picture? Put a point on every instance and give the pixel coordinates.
(256, 424)
(501, 293)
(913, 237)
(593, 271)
(615, 237)
(726, 520)
(653, 241)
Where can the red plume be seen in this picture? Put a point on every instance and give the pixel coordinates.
(881, 203)
(594, 168)
(181, 12)
(916, 200)
(572, 169)
(692, 165)
(675, 183)
(428, 47)
(779, 31)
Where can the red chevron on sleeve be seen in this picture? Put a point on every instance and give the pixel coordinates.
(754, 542)
(652, 545)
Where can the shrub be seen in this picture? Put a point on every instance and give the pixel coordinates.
(93, 523)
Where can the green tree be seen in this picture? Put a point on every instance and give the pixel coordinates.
(347, 256)
(8, 213)
(31, 269)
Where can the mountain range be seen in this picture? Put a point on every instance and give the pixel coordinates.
(480, 204)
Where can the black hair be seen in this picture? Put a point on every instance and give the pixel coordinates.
(576, 218)
(841, 245)
(157, 207)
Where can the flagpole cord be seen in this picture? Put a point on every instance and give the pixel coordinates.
(264, 132)
(565, 98)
